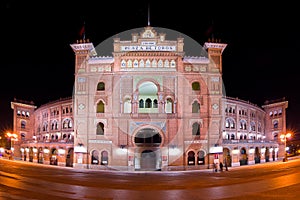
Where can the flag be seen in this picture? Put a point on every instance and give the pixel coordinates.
(210, 30)
(82, 32)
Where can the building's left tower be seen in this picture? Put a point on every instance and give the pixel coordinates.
(23, 124)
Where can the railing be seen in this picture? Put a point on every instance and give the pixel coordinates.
(246, 141)
(66, 141)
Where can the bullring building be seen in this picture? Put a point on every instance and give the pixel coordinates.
(148, 99)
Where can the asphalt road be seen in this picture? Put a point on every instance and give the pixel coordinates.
(274, 180)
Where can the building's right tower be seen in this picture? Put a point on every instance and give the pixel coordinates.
(275, 122)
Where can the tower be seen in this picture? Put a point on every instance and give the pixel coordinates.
(83, 49)
(215, 90)
(23, 124)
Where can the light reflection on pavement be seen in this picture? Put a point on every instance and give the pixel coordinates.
(14, 186)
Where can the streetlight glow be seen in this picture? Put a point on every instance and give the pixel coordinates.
(283, 138)
(12, 137)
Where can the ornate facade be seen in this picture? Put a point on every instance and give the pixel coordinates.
(148, 107)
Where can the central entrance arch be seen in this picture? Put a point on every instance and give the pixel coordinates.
(147, 156)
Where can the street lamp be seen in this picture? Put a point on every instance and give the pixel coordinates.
(12, 137)
(283, 138)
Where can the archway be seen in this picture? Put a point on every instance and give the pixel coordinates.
(226, 157)
(104, 158)
(257, 155)
(201, 157)
(148, 141)
(40, 155)
(191, 158)
(267, 154)
(69, 158)
(95, 157)
(273, 154)
(147, 137)
(53, 159)
(243, 157)
(31, 154)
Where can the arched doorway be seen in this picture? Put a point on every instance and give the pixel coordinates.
(257, 155)
(53, 158)
(95, 157)
(69, 158)
(31, 154)
(226, 157)
(273, 154)
(243, 157)
(40, 155)
(191, 158)
(267, 154)
(148, 141)
(147, 137)
(104, 158)
(201, 157)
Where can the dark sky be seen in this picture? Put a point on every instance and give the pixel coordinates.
(260, 61)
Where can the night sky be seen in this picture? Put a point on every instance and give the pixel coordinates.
(260, 62)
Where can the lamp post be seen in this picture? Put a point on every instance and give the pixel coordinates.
(12, 137)
(283, 138)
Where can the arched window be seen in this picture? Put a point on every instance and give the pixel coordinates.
(148, 63)
(196, 86)
(243, 125)
(160, 63)
(196, 129)
(252, 126)
(275, 124)
(100, 107)
(100, 129)
(195, 107)
(67, 123)
(259, 127)
(95, 157)
(147, 93)
(45, 126)
(142, 64)
(23, 135)
(191, 158)
(169, 106)
(54, 125)
(173, 63)
(148, 103)
(155, 103)
(201, 157)
(147, 136)
(229, 123)
(232, 137)
(141, 103)
(167, 63)
(135, 63)
(104, 158)
(129, 63)
(23, 124)
(127, 106)
(154, 63)
(101, 86)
